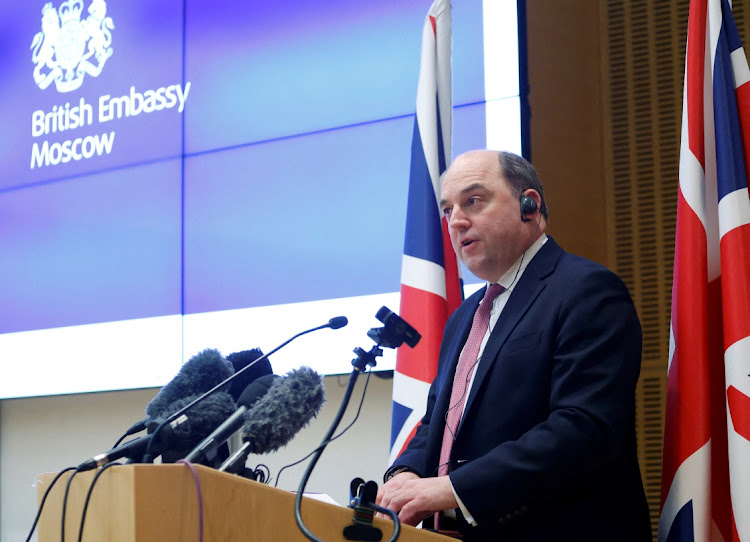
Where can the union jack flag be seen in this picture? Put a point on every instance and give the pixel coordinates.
(706, 463)
(430, 284)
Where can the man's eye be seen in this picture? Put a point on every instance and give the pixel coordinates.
(471, 201)
(447, 211)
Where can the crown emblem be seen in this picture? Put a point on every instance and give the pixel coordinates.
(70, 11)
(68, 48)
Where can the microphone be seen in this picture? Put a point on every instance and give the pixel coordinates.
(337, 322)
(208, 448)
(206, 416)
(182, 433)
(289, 405)
(239, 361)
(256, 390)
(334, 321)
(199, 374)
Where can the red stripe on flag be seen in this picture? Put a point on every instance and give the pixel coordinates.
(426, 313)
(743, 112)
(735, 280)
(694, 78)
(434, 28)
(739, 411)
(687, 419)
(721, 503)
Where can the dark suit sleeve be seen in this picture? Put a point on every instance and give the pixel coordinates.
(584, 367)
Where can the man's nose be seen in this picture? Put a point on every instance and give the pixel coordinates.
(457, 219)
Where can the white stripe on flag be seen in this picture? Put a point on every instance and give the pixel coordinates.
(444, 25)
(671, 347)
(407, 393)
(423, 275)
(691, 483)
(714, 21)
(691, 173)
(427, 104)
(710, 185)
(737, 367)
(739, 66)
(734, 211)
(434, 90)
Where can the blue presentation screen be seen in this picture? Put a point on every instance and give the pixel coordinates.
(178, 175)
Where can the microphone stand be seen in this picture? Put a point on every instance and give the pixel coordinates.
(333, 323)
(393, 334)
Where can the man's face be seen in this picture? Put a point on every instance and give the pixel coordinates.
(483, 215)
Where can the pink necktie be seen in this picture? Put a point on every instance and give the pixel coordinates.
(466, 364)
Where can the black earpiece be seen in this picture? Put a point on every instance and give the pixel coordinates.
(528, 206)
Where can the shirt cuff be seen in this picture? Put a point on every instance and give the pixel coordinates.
(397, 469)
(465, 511)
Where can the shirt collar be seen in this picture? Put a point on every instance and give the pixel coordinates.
(513, 275)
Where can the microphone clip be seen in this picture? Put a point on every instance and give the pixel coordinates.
(365, 359)
(362, 498)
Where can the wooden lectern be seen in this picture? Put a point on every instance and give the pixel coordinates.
(158, 503)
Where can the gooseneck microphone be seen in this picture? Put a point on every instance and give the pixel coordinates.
(337, 322)
(333, 323)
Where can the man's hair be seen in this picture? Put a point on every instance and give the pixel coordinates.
(520, 176)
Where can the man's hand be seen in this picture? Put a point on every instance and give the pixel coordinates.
(415, 498)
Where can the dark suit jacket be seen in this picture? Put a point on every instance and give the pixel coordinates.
(546, 449)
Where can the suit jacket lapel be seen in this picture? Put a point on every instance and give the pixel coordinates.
(524, 294)
(446, 377)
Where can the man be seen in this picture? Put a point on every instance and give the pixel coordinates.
(539, 442)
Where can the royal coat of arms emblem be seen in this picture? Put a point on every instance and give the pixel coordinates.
(68, 48)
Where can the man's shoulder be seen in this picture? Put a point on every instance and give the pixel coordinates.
(569, 262)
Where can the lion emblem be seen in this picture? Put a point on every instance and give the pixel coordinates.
(68, 48)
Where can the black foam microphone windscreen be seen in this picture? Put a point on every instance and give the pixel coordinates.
(289, 405)
(198, 375)
(255, 390)
(239, 361)
(203, 418)
(208, 449)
